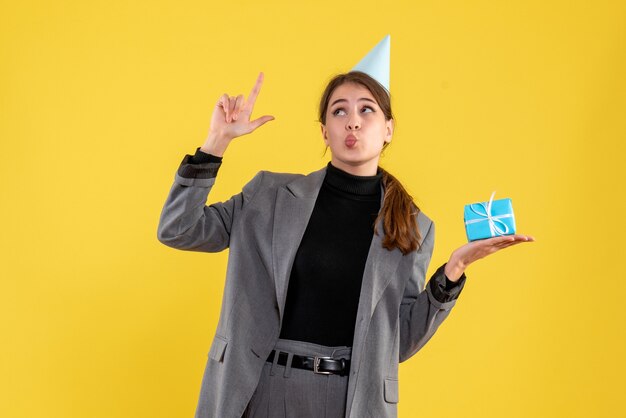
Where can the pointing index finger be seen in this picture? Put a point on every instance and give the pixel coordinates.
(255, 91)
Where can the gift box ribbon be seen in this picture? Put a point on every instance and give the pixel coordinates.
(487, 216)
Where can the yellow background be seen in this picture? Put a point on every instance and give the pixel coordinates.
(100, 100)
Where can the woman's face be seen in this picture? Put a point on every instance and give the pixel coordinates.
(352, 110)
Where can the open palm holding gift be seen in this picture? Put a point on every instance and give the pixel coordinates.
(490, 226)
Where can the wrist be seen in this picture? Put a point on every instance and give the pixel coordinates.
(215, 145)
(454, 269)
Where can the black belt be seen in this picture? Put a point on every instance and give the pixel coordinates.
(319, 364)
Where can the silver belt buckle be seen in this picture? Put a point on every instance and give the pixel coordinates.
(316, 365)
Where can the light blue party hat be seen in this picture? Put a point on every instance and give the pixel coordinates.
(376, 62)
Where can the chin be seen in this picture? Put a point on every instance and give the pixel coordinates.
(354, 159)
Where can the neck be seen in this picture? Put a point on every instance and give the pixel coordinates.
(352, 185)
(368, 168)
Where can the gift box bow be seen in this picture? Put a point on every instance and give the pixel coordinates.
(484, 213)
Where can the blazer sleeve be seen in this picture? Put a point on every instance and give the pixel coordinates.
(186, 222)
(424, 308)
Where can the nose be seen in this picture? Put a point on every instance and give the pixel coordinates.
(354, 122)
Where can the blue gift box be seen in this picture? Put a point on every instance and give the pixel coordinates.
(489, 219)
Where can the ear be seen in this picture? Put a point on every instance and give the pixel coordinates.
(389, 126)
(324, 133)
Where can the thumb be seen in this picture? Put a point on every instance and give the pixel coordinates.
(260, 121)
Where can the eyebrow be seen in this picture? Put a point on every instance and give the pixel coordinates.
(344, 100)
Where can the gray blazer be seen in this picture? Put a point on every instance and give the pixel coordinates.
(262, 226)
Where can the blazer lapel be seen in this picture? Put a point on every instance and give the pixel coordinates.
(294, 205)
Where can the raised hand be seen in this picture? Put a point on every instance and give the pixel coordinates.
(231, 116)
(475, 250)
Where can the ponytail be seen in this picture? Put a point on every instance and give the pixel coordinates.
(399, 216)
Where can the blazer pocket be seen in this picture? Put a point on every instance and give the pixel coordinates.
(391, 390)
(218, 348)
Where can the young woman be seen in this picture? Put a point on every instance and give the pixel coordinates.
(325, 290)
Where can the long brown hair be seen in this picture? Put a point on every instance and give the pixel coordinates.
(398, 211)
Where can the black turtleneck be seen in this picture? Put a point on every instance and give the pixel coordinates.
(325, 281)
(326, 276)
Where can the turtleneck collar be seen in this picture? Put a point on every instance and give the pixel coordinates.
(350, 183)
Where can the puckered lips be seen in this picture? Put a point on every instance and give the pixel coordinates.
(350, 141)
